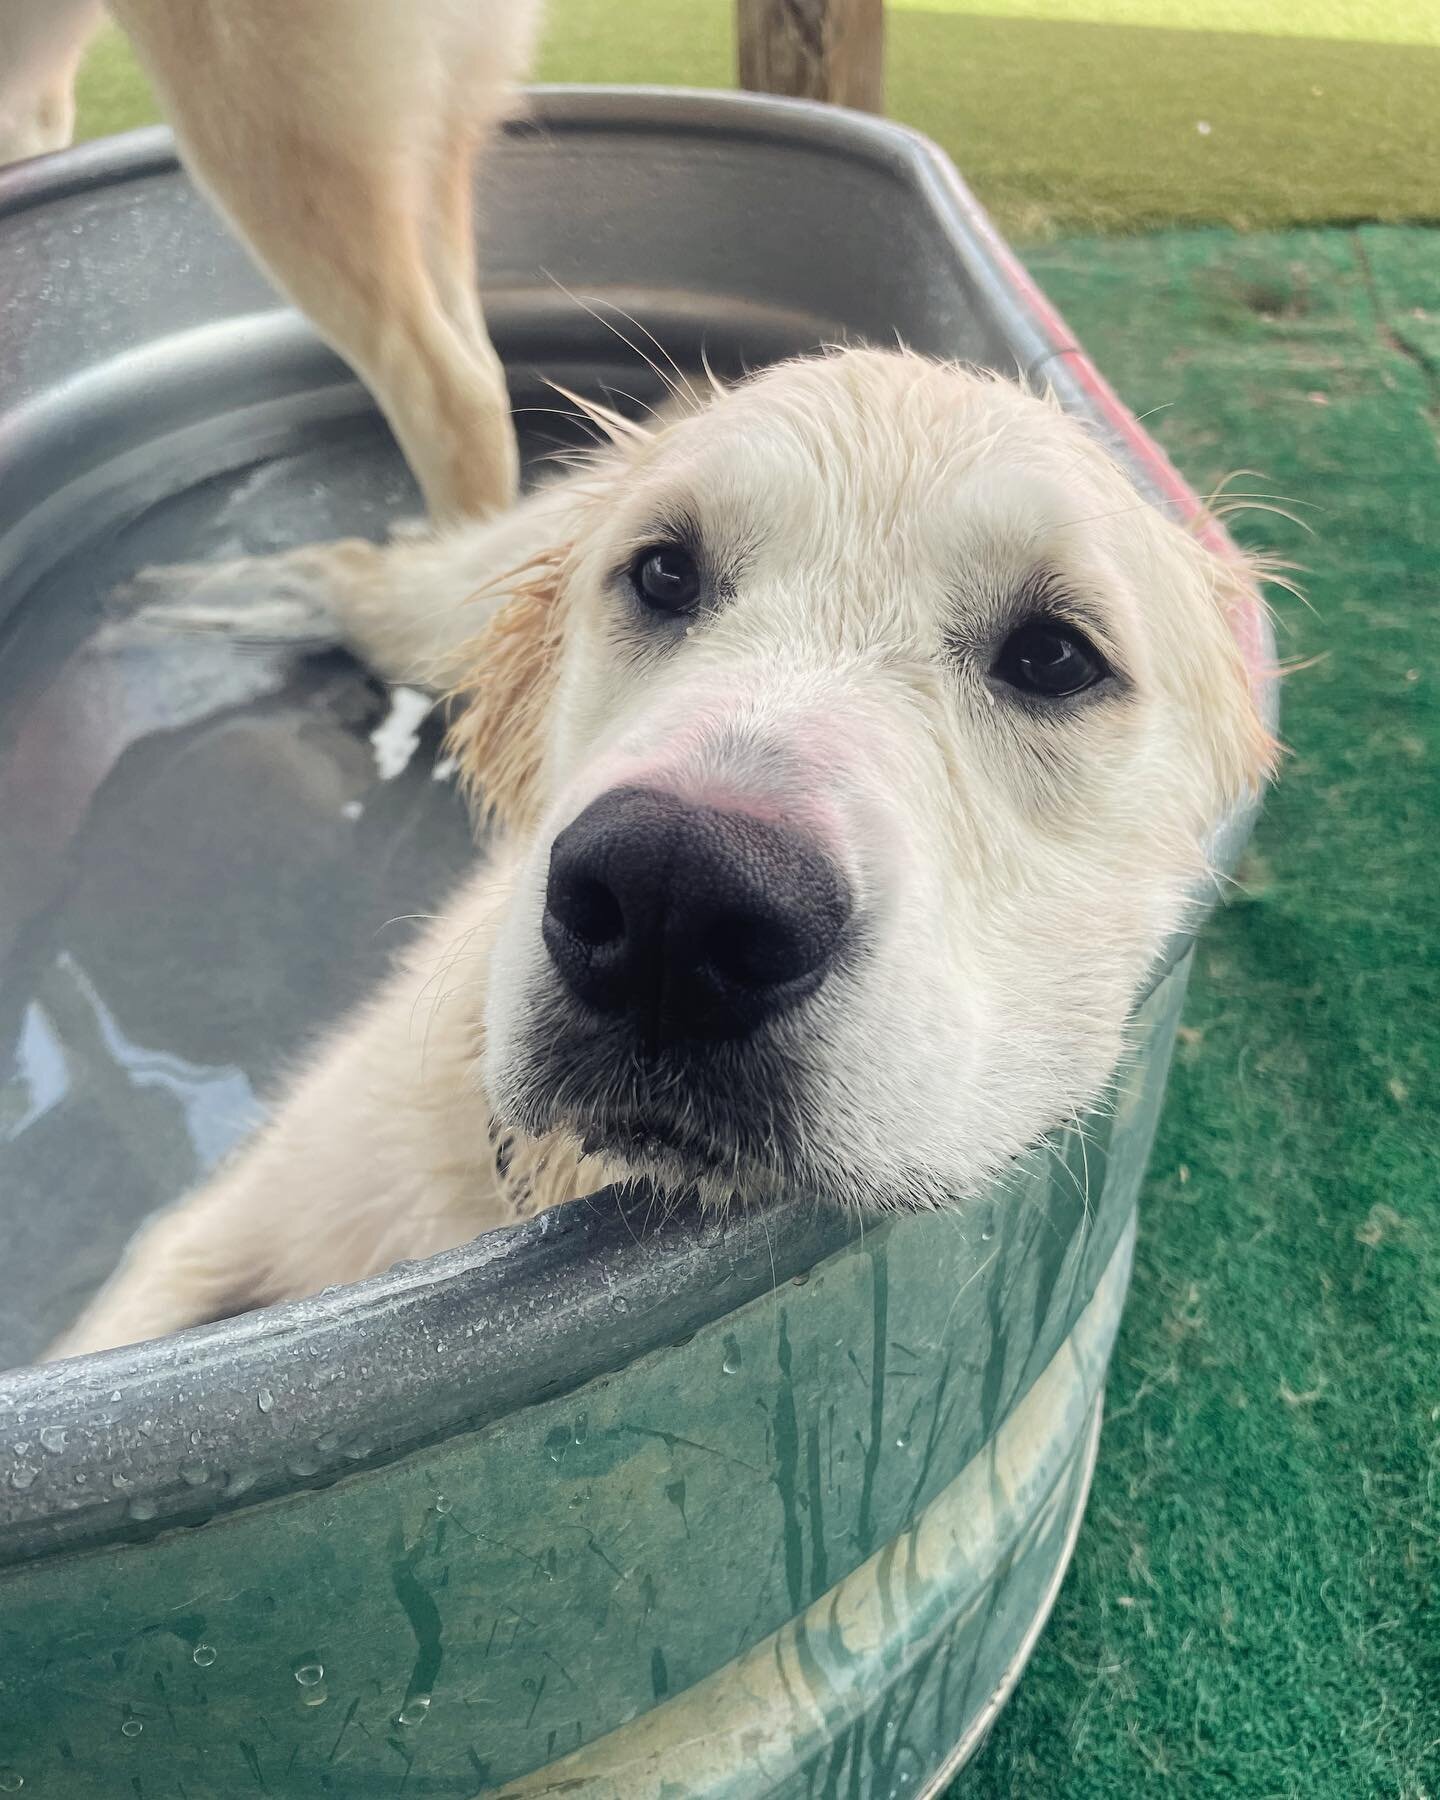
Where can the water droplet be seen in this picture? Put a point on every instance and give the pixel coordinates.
(11, 1781)
(52, 1438)
(442, 1504)
(264, 1399)
(117, 1480)
(903, 1441)
(905, 1772)
(303, 1463)
(132, 1728)
(582, 1428)
(194, 1439)
(314, 1696)
(414, 1712)
(240, 1481)
(114, 1395)
(731, 1364)
(310, 1674)
(987, 1234)
(22, 1476)
(194, 1474)
(142, 1509)
(145, 1427)
(203, 1655)
(619, 1303)
(800, 1279)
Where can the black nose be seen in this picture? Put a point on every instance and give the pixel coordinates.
(692, 921)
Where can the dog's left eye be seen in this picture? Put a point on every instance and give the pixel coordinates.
(1050, 660)
(665, 578)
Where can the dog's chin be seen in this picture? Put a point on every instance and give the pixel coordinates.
(708, 1119)
(650, 1151)
(733, 1141)
(711, 1155)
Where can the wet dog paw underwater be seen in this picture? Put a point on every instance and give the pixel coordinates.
(856, 738)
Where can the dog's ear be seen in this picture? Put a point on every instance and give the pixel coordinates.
(1241, 584)
(502, 708)
(1228, 670)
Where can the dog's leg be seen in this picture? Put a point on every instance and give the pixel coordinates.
(352, 259)
(41, 44)
(407, 609)
(450, 247)
(191, 1264)
(318, 130)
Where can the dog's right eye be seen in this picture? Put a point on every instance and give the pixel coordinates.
(1049, 659)
(665, 578)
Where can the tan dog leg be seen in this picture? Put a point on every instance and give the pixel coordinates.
(408, 609)
(194, 1263)
(328, 134)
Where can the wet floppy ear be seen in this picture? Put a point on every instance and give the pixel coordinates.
(503, 705)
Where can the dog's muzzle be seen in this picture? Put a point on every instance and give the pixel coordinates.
(690, 923)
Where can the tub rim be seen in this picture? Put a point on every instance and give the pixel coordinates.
(593, 1276)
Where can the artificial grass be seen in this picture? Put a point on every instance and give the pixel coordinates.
(1073, 115)
(1254, 1608)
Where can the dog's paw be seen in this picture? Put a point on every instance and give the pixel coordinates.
(262, 602)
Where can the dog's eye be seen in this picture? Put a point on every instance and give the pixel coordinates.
(1049, 659)
(665, 578)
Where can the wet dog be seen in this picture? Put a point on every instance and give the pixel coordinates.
(856, 737)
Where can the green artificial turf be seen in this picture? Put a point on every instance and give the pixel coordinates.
(1074, 115)
(1254, 1608)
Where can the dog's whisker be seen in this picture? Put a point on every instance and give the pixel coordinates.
(676, 382)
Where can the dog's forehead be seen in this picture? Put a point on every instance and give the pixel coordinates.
(924, 488)
(862, 440)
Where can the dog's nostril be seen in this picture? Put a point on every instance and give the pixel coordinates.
(588, 909)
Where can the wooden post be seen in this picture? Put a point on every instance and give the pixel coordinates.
(814, 49)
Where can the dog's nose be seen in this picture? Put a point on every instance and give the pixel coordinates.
(696, 922)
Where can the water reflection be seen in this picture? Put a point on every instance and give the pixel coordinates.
(218, 1105)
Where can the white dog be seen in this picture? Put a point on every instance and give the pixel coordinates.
(856, 738)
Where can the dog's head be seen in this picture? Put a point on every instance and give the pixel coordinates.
(859, 755)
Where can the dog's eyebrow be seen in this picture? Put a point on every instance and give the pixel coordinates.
(1042, 592)
(1045, 593)
(671, 523)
